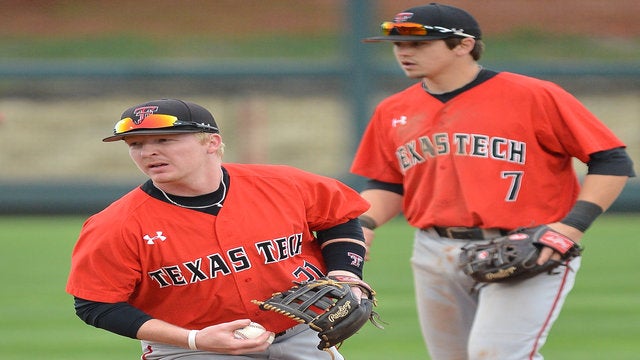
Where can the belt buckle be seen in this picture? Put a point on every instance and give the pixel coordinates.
(450, 230)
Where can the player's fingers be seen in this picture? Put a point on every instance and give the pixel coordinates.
(266, 337)
(544, 256)
(221, 332)
(220, 338)
(257, 344)
(547, 254)
(236, 324)
(357, 292)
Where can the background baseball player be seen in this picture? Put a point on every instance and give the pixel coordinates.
(469, 154)
(177, 261)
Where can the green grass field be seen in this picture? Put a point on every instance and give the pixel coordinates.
(601, 318)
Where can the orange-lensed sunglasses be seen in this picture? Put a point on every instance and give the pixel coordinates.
(156, 121)
(415, 29)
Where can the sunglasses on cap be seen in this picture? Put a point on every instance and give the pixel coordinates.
(157, 121)
(415, 29)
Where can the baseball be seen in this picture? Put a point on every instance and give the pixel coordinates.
(251, 331)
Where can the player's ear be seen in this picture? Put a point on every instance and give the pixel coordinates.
(214, 143)
(466, 45)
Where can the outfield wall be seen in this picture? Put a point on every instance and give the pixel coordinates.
(53, 162)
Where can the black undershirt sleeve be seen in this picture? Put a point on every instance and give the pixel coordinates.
(120, 318)
(381, 185)
(343, 255)
(611, 162)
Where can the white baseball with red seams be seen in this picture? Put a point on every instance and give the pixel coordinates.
(251, 331)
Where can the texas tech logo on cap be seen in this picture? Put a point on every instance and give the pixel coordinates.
(142, 112)
(402, 17)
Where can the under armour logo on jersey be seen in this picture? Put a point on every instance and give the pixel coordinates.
(151, 240)
(356, 260)
(401, 121)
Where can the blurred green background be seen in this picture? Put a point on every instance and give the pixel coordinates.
(600, 319)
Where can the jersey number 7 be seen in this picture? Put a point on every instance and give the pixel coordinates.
(514, 188)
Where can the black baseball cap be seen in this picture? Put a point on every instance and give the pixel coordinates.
(164, 116)
(429, 22)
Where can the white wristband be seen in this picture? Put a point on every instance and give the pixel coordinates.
(192, 339)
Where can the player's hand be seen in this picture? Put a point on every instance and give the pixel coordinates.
(219, 338)
(548, 253)
(356, 290)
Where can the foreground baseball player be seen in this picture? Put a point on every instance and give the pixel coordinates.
(177, 261)
(469, 154)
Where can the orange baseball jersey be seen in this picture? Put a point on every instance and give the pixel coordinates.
(193, 269)
(508, 140)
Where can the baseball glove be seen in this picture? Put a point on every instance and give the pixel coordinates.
(327, 305)
(514, 257)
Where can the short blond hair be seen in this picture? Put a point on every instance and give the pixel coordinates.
(204, 137)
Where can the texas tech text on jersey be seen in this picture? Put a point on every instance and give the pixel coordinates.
(498, 148)
(235, 260)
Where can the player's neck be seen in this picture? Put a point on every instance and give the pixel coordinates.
(194, 185)
(451, 80)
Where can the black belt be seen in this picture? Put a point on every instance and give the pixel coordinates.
(468, 233)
